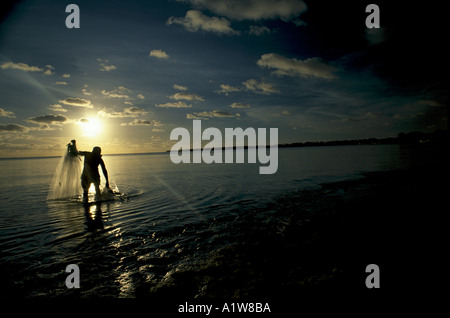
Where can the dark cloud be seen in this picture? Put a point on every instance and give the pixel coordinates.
(76, 101)
(13, 128)
(253, 9)
(48, 119)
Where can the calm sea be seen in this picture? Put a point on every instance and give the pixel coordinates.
(172, 220)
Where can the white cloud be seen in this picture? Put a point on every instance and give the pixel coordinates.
(140, 96)
(178, 104)
(57, 108)
(60, 83)
(119, 92)
(66, 75)
(285, 10)
(226, 89)
(240, 105)
(21, 66)
(107, 68)
(48, 72)
(85, 92)
(210, 114)
(112, 94)
(197, 21)
(6, 113)
(127, 112)
(311, 67)
(186, 96)
(260, 87)
(76, 101)
(160, 54)
(249, 85)
(180, 87)
(141, 122)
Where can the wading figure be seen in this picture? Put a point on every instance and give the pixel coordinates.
(90, 171)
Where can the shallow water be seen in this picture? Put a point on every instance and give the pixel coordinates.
(172, 219)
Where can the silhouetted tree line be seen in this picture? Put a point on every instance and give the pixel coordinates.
(414, 137)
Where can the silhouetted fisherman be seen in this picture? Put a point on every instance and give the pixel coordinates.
(90, 171)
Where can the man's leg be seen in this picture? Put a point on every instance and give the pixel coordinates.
(85, 185)
(97, 188)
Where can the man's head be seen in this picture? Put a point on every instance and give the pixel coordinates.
(97, 150)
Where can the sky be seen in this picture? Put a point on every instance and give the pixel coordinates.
(135, 70)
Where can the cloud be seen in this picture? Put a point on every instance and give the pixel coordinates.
(57, 108)
(6, 113)
(140, 122)
(85, 91)
(178, 104)
(14, 128)
(160, 54)
(260, 87)
(186, 96)
(136, 111)
(179, 87)
(311, 67)
(66, 75)
(76, 101)
(249, 85)
(127, 112)
(226, 89)
(196, 21)
(48, 119)
(210, 114)
(239, 105)
(48, 72)
(140, 96)
(119, 92)
(432, 103)
(259, 30)
(21, 66)
(111, 94)
(285, 10)
(104, 67)
(60, 83)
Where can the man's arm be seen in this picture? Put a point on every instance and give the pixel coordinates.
(105, 172)
(83, 153)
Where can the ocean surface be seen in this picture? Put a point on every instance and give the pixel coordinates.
(173, 229)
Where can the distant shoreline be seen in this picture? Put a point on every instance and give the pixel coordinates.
(411, 138)
(402, 138)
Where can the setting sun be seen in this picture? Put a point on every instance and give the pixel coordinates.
(90, 127)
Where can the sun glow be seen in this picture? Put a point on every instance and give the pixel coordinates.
(90, 127)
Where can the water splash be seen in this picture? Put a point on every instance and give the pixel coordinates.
(66, 180)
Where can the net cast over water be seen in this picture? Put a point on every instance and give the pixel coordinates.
(70, 178)
(66, 180)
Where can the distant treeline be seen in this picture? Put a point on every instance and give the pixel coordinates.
(415, 137)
